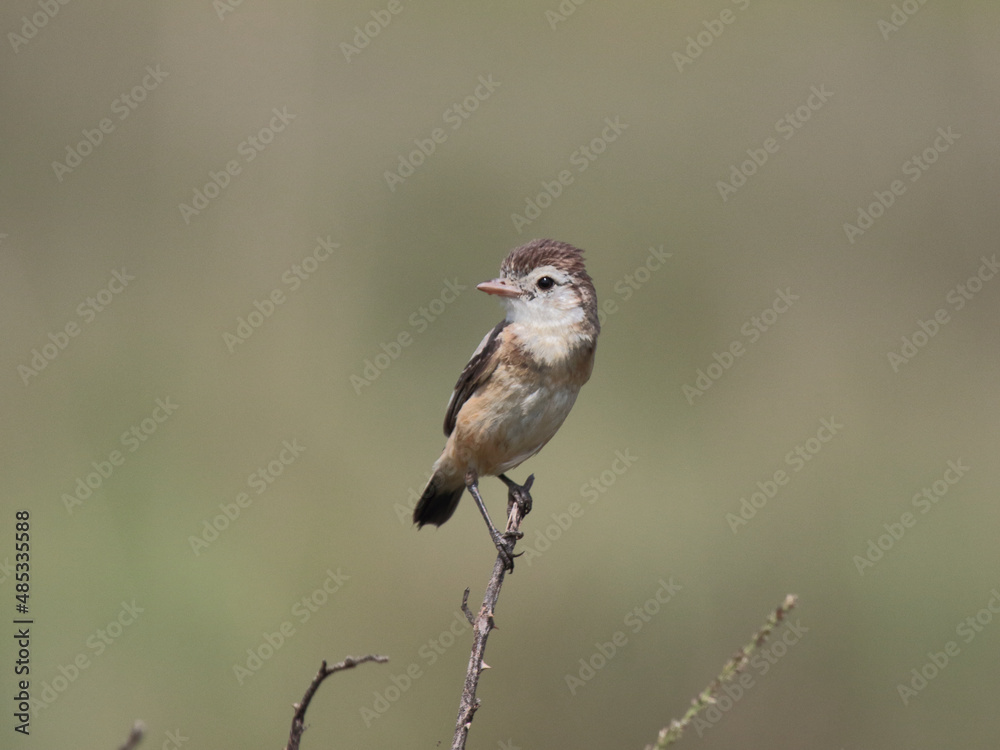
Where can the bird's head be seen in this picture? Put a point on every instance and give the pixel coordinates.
(545, 286)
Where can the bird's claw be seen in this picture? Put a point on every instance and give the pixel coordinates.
(520, 494)
(507, 555)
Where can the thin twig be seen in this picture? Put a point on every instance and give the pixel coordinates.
(483, 624)
(134, 736)
(299, 720)
(465, 608)
(673, 731)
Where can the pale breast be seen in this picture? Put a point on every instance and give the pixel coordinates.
(514, 414)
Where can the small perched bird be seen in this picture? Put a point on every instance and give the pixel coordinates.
(522, 381)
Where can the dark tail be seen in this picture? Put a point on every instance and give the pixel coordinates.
(438, 502)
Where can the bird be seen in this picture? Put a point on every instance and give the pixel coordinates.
(521, 382)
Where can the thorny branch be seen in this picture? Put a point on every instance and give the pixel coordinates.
(518, 505)
(672, 732)
(299, 720)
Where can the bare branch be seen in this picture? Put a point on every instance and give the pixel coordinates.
(518, 505)
(673, 731)
(299, 720)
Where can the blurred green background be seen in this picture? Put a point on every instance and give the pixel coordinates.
(695, 90)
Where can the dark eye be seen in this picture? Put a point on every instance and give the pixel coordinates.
(546, 282)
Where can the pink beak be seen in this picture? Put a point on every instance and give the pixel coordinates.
(500, 288)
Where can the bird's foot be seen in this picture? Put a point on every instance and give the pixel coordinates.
(519, 495)
(503, 542)
(505, 548)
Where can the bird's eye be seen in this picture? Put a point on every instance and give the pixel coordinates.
(546, 282)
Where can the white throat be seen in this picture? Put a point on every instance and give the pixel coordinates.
(547, 331)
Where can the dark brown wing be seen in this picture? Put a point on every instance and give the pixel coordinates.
(480, 367)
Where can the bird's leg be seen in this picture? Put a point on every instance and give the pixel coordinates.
(472, 482)
(520, 494)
